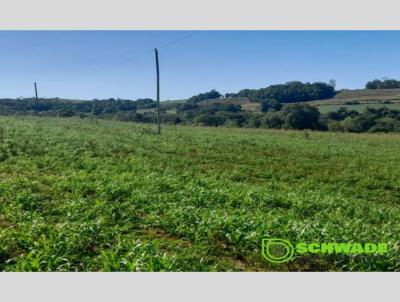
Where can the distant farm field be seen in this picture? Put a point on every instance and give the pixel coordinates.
(96, 195)
(362, 95)
(358, 107)
(373, 98)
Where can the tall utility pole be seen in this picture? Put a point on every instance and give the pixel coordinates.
(37, 99)
(158, 93)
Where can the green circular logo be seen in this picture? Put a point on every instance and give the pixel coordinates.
(277, 250)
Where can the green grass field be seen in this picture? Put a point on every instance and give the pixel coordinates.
(96, 195)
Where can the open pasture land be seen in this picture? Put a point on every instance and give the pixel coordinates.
(96, 195)
(359, 99)
(361, 95)
(358, 107)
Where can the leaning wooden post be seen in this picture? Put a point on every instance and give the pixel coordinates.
(158, 94)
(36, 94)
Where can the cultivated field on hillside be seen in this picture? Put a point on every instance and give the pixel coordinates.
(95, 195)
(358, 107)
(372, 95)
(359, 99)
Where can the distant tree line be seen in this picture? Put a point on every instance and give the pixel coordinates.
(298, 116)
(211, 95)
(110, 108)
(290, 92)
(279, 105)
(385, 84)
(370, 120)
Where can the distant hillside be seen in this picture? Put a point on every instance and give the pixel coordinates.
(361, 95)
(359, 99)
(356, 99)
(374, 97)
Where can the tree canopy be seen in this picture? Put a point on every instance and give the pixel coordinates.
(213, 94)
(290, 92)
(385, 84)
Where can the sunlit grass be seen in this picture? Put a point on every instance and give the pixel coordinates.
(89, 195)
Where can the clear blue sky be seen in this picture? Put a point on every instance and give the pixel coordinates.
(103, 64)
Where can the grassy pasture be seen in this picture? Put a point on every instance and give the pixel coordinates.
(95, 195)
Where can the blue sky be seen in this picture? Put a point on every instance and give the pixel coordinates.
(104, 64)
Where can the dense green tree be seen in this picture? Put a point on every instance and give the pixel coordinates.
(359, 123)
(211, 95)
(273, 120)
(209, 120)
(340, 114)
(300, 116)
(271, 104)
(294, 91)
(385, 124)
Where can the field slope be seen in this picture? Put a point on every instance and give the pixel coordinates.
(359, 99)
(89, 195)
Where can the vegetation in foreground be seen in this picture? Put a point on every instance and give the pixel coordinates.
(92, 195)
